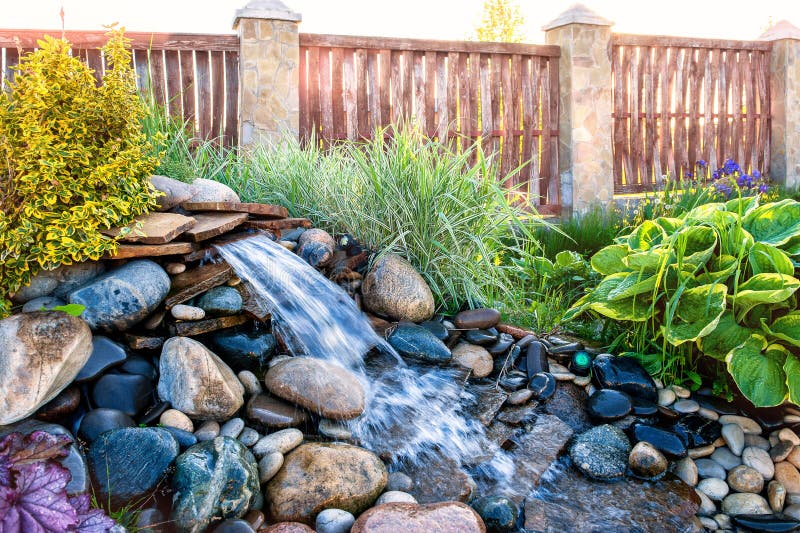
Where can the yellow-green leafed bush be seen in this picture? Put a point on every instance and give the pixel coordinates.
(74, 160)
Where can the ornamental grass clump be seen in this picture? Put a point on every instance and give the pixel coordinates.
(74, 160)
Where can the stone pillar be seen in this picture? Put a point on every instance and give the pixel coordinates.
(785, 94)
(586, 163)
(269, 72)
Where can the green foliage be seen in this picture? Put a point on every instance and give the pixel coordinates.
(71, 309)
(501, 21)
(75, 160)
(171, 143)
(718, 281)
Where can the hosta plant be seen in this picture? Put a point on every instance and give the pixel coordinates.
(718, 281)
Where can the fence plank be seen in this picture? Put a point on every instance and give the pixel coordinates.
(442, 104)
(750, 156)
(420, 111)
(452, 93)
(327, 132)
(302, 92)
(430, 93)
(386, 70)
(349, 93)
(373, 76)
(397, 87)
(157, 77)
(487, 120)
(204, 103)
(188, 87)
(362, 107)
(337, 94)
(231, 98)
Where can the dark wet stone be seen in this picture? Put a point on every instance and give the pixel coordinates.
(701, 431)
(624, 374)
(601, 453)
(607, 405)
(152, 415)
(499, 514)
(769, 418)
(568, 405)
(105, 354)
(716, 404)
(709, 468)
(503, 343)
(644, 407)
(220, 301)
(486, 404)
(274, 412)
(66, 403)
(411, 340)
(536, 359)
(437, 328)
(234, 526)
(98, 421)
(439, 478)
(129, 393)
(543, 386)
(481, 337)
(765, 523)
(668, 414)
(565, 349)
(517, 414)
(665, 441)
(184, 438)
(244, 351)
(140, 366)
(513, 381)
(150, 520)
(477, 318)
(128, 463)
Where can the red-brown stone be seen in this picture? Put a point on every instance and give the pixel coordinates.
(444, 517)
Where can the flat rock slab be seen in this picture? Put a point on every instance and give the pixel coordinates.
(264, 210)
(154, 228)
(198, 327)
(143, 342)
(210, 225)
(286, 223)
(192, 282)
(128, 251)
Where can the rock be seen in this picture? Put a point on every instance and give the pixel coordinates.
(316, 247)
(481, 337)
(647, 462)
(105, 354)
(748, 425)
(536, 359)
(745, 503)
(184, 438)
(197, 382)
(395, 496)
(788, 435)
(176, 419)
(395, 289)
(543, 386)
(187, 312)
(607, 405)
(766, 524)
(501, 345)
(98, 421)
(320, 386)
(473, 357)
(724, 457)
(269, 465)
(234, 526)
(123, 297)
(281, 441)
(708, 413)
(334, 429)
(715, 488)
(232, 428)
(149, 520)
(686, 406)
(250, 382)
(759, 460)
(287, 527)
(700, 431)
(481, 318)
(643, 408)
(415, 341)
(788, 476)
(40, 355)
(128, 463)
(221, 301)
(128, 393)
(710, 468)
(794, 456)
(399, 481)
(667, 442)
(274, 413)
(624, 374)
(498, 513)
(438, 329)
(60, 407)
(707, 507)
(686, 470)
(776, 495)
(315, 477)
(173, 269)
(519, 397)
(745, 479)
(139, 366)
(681, 392)
(781, 451)
(249, 436)
(212, 191)
(601, 452)
(734, 438)
(42, 303)
(60, 281)
(209, 430)
(334, 521)
(174, 192)
(792, 511)
(704, 451)
(214, 479)
(444, 517)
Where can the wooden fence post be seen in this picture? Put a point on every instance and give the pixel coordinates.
(269, 67)
(585, 139)
(785, 113)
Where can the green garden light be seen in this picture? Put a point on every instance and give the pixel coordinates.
(581, 363)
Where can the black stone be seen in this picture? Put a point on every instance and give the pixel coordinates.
(98, 421)
(244, 351)
(769, 418)
(716, 404)
(607, 405)
(765, 523)
(668, 414)
(140, 366)
(64, 404)
(625, 374)
(152, 415)
(543, 386)
(536, 359)
(504, 342)
(129, 393)
(184, 438)
(411, 340)
(481, 337)
(514, 380)
(234, 525)
(437, 328)
(565, 349)
(526, 340)
(105, 354)
(663, 440)
(499, 514)
(644, 407)
(701, 431)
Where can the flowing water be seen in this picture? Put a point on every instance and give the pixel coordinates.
(412, 411)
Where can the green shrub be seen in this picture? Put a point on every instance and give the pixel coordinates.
(717, 282)
(75, 160)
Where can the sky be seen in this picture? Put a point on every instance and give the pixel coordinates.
(427, 19)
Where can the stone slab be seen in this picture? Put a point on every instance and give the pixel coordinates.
(128, 251)
(143, 342)
(197, 280)
(198, 327)
(286, 223)
(154, 228)
(210, 225)
(264, 210)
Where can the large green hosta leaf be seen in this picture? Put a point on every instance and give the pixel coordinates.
(743, 205)
(649, 261)
(766, 288)
(719, 269)
(623, 285)
(735, 241)
(792, 246)
(635, 309)
(775, 222)
(704, 213)
(622, 296)
(669, 224)
(645, 236)
(767, 258)
(696, 245)
(608, 260)
(696, 313)
(725, 337)
(792, 369)
(785, 328)
(757, 367)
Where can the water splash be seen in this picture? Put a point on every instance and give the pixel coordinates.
(412, 411)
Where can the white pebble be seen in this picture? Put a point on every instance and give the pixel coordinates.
(708, 413)
(789, 435)
(269, 465)
(716, 489)
(176, 419)
(249, 382)
(686, 406)
(334, 521)
(232, 428)
(734, 438)
(681, 392)
(395, 496)
(748, 425)
(187, 312)
(666, 397)
(249, 436)
(582, 381)
(282, 441)
(175, 268)
(208, 431)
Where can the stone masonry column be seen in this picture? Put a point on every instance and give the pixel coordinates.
(785, 92)
(269, 72)
(585, 156)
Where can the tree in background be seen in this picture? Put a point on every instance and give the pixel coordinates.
(501, 21)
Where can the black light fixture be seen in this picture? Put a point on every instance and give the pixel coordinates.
(581, 363)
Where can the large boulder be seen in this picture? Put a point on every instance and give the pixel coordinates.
(60, 281)
(214, 480)
(441, 517)
(322, 387)
(316, 247)
(40, 354)
(395, 289)
(212, 191)
(601, 452)
(315, 477)
(122, 297)
(175, 192)
(197, 382)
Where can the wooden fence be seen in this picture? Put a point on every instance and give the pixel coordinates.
(195, 76)
(505, 95)
(680, 100)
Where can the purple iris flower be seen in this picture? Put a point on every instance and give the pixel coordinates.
(756, 174)
(702, 163)
(762, 189)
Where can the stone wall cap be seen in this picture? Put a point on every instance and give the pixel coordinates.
(577, 14)
(266, 9)
(782, 30)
